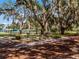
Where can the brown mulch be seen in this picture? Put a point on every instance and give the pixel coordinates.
(61, 49)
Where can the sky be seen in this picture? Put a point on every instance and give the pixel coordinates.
(2, 20)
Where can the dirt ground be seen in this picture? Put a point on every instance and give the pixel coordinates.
(48, 49)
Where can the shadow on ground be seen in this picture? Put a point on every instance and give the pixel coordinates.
(62, 49)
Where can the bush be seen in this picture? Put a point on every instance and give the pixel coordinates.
(18, 37)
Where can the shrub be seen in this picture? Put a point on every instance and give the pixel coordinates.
(18, 37)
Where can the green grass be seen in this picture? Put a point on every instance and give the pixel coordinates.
(4, 34)
(53, 35)
(67, 33)
(71, 33)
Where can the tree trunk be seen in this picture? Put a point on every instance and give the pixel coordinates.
(44, 30)
(20, 31)
(46, 27)
(62, 30)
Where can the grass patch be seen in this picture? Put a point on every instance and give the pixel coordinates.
(71, 33)
(56, 35)
(4, 34)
